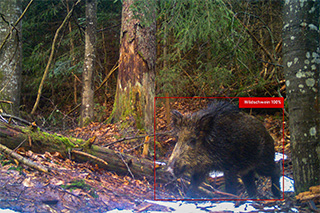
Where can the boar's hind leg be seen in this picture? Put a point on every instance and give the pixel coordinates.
(249, 182)
(275, 185)
(275, 179)
(272, 171)
(275, 176)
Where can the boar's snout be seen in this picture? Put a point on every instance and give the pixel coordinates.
(170, 170)
(170, 167)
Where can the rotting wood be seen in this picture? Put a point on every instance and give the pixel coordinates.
(89, 156)
(43, 141)
(85, 151)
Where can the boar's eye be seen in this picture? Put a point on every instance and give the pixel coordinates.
(192, 142)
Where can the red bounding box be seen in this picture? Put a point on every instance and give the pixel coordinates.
(244, 102)
(248, 102)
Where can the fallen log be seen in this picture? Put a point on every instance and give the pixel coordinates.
(22, 159)
(31, 138)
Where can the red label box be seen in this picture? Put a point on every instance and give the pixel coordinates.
(261, 102)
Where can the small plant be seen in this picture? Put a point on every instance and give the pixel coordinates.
(81, 184)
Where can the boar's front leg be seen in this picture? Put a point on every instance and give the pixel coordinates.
(231, 182)
(196, 180)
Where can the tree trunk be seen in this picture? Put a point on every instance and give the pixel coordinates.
(301, 64)
(10, 55)
(87, 107)
(136, 84)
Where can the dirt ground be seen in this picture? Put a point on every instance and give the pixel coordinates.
(81, 187)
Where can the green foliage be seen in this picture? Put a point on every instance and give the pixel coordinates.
(74, 184)
(39, 26)
(80, 184)
(4, 161)
(205, 50)
(99, 112)
(16, 168)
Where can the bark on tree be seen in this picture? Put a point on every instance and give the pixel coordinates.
(301, 59)
(135, 83)
(10, 55)
(87, 106)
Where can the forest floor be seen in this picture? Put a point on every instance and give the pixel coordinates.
(82, 187)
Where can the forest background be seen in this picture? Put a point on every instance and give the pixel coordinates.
(203, 49)
(194, 58)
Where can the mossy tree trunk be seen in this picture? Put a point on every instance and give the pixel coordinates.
(87, 105)
(301, 58)
(10, 55)
(135, 83)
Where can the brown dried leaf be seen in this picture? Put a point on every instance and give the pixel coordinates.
(27, 182)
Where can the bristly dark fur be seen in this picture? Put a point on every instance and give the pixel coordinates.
(222, 107)
(205, 120)
(222, 138)
(218, 109)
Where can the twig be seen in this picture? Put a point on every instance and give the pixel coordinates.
(114, 68)
(74, 109)
(4, 19)
(51, 57)
(108, 28)
(22, 142)
(15, 24)
(125, 163)
(6, 102)
(140, 136)
(16, 118)
(4, 115)
(90, 156)
(270, 56)
(215, 191)
(279, 65)
(22, 159)
(3, 119)
(129, 150)
(103, 82)
(212, 192)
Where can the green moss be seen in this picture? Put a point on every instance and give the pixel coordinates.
(129, 103)
(81, 184)
(52, 139)
(141, 54)
(86, 121)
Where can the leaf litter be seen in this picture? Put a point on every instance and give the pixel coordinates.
(82, 187)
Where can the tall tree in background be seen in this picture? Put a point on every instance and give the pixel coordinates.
(135, 85)
(87, 107)
(301, 64)
(10, 54)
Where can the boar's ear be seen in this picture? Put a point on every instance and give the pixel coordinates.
(177, 118)
(206, 122)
